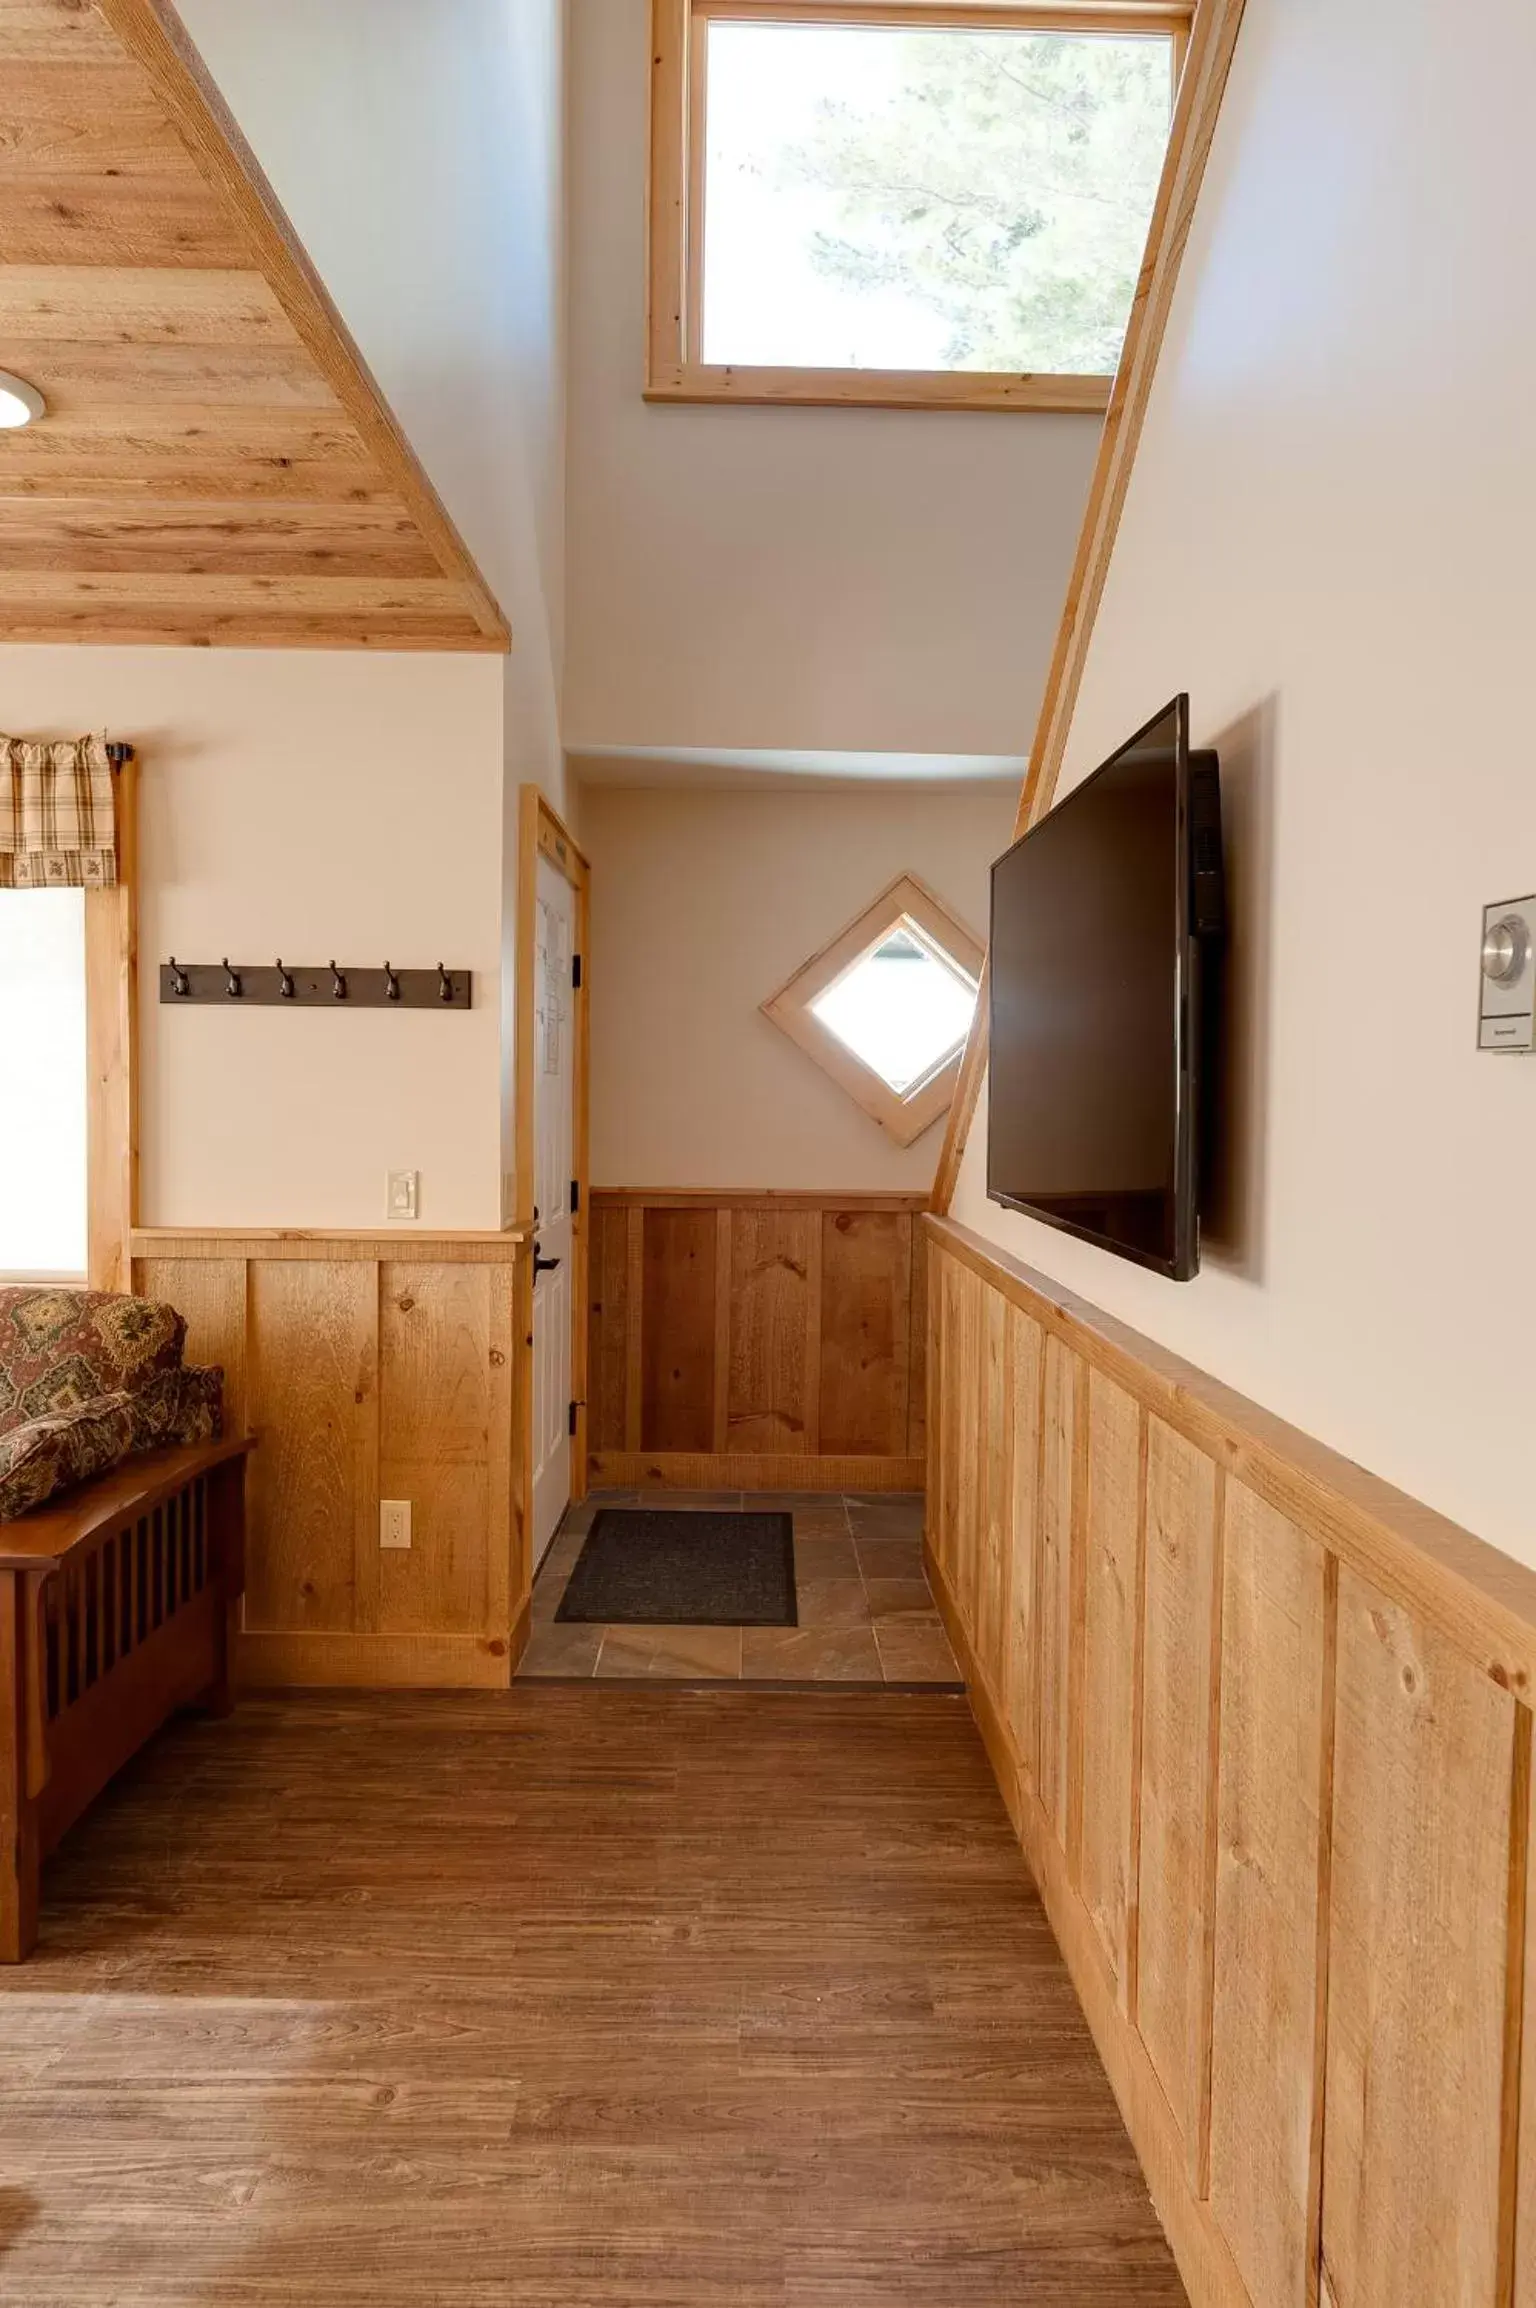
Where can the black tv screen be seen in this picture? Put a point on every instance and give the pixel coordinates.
(1105, 921)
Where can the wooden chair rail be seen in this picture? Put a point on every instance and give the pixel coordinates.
(1263, 1727)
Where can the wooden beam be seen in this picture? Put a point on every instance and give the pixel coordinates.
(1213, 37)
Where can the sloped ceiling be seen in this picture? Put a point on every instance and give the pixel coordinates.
(216, 465)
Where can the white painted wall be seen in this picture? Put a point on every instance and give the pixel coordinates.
(849, 579)
(420, 153)
(704, 903)
(307, 803)
(1327, 541)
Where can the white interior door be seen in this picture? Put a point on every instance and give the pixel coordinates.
(554, 1077)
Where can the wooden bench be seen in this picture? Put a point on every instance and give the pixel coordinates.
(115, 1610)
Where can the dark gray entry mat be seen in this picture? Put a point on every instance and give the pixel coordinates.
(684, 1568)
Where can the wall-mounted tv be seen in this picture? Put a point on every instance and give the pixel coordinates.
(1106, 925)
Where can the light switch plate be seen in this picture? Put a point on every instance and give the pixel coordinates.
(395, 1523)
(402, 1194)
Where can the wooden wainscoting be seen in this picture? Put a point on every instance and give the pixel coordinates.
(757, 1341)
(368, 1367)
(1264, 1728)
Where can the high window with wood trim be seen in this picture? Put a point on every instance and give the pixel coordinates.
(902, 203)
(886, 1007)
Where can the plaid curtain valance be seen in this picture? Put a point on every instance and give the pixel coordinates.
(57, 821)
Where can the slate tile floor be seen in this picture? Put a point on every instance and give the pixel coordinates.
(866, 1615)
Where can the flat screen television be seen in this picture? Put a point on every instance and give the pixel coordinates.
(1106, 925)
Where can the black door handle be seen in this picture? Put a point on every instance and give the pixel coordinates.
(543, 1265)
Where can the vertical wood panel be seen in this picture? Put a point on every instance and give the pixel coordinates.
(993, 1493)
(1316, 1905)
(509, 1543)
(1054, 1602)
(933, 1474)
(607, 1358)
(313, 1378)
(969, 1340)
(1523, 2238)
(772, 1374)
(720, 1382)
(917, 1333)
(1181, 1605)
(634, 1328)
(1424, 1777)
(678, 1331)
(1276, 1703)
(1112, 1605)
(942, 1527)
(814, 1326)
(435, 1446)
(1026, 1375)
(361, 1379)
(210, 1292)
(866, 1272)
(812, 1384)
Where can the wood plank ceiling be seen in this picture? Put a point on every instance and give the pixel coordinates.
(216, 465)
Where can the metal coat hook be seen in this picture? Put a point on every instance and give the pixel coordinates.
(444, 985)
(179, 978)
(391, 985)
(232, 985)
(338, 982)
(284, 981)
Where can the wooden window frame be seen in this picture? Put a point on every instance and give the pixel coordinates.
(902, 1117)
(111, 1047)
(675, 208)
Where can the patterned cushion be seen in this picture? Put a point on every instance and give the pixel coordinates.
(59, 1349)
(47, 1455)
(178, 1406)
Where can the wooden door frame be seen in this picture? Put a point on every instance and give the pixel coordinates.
(542, 833)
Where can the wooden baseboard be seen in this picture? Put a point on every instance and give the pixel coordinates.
(277, 1659)
(1205, 2263)
(750, 1471)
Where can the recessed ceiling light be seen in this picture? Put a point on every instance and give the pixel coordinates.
(19, 403)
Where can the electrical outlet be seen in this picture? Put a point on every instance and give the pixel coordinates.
(394, 1523)
(400, 1200)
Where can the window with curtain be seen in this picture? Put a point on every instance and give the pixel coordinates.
(57, 842)
(42, 1036)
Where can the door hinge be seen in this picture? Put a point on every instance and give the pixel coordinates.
(576, 970)
(575, 1196)
(572, 1422)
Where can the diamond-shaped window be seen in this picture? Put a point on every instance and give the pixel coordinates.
(886, 1007)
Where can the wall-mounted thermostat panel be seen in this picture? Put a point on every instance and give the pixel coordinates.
(1507, 1020)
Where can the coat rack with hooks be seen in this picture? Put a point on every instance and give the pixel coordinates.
(312, 985)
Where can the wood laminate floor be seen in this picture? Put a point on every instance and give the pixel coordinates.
(572, 1996)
